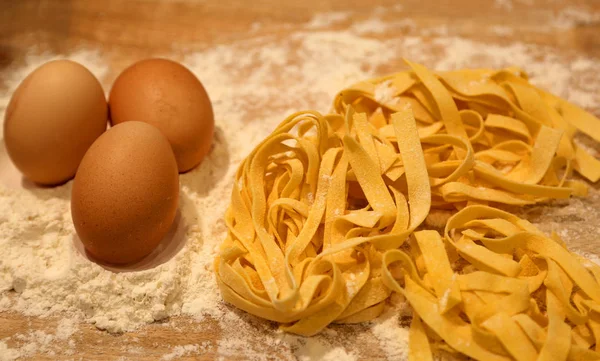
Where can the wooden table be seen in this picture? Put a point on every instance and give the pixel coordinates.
(129, 30)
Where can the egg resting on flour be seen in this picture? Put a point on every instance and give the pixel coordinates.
(125, 193)
(167, 95)
(53, 117)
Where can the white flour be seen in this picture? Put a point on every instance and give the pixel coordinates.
(253, 85)
(180, 351)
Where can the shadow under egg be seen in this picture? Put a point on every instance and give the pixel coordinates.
(11, 178)
(168, 248)
(215, 165)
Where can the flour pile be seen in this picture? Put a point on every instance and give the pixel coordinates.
(253, 85)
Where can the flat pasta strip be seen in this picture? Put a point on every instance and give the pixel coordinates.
(438, 267)
(418, 342)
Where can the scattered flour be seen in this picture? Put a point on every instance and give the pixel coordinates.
(32, 343)
(391, 334)
(590, 257)
(315, 349)
(575, 16)
(8, 354)
(503, 4)
(180, 351)
(384, 92)
(66, 328)
(323, 20)
(502, 30)
(253, 85)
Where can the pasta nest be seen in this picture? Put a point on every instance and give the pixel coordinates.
(327, 217)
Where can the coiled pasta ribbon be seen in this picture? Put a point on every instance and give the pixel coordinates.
(325, 214)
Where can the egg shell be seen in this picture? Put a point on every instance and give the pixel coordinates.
(125, 193)
(169, 96)
(53, 117)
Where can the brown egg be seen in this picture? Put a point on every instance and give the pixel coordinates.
(167, 95)
(125, 193)
(53, 117)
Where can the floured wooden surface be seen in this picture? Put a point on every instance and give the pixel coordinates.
(283, 63)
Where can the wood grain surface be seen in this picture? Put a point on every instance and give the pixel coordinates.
(125, 31)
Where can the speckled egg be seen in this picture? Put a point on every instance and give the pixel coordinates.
(167, 95)
(53, 117)
(125, 193)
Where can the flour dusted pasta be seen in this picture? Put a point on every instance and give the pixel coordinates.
(326, 217)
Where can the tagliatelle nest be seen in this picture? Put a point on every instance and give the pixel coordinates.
(324, 216)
